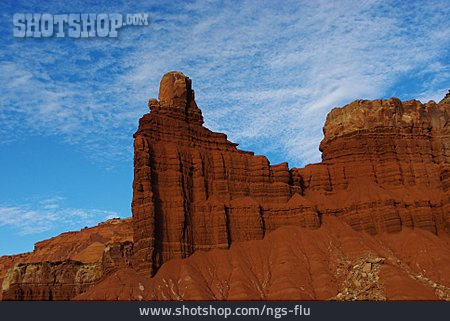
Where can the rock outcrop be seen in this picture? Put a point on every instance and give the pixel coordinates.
(49, 280)
(371, 221)
(65, 266)
(193, 189)
(385, 166)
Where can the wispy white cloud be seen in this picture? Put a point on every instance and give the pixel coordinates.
(265, 73)
(49, 214)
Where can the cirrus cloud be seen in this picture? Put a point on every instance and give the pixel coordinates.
(265, 73)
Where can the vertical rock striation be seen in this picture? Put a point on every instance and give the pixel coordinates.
(193, 189)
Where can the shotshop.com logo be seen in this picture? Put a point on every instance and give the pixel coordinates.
(74, 25)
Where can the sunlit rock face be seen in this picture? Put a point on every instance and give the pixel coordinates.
(385, 167)
(66, 265)
(193, 189)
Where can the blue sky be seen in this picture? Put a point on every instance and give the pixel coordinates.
(265, 72)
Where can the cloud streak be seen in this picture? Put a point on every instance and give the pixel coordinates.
(48, 215)
(264, 73)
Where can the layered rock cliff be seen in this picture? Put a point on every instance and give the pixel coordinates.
(385, 166)
(193, 189)
(65, 266)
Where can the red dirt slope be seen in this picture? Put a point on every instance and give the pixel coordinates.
(294, 263)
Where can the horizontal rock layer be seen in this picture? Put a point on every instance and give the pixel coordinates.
(385, 166)
(65, 266)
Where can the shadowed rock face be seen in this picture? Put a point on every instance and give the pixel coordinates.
(385, 167)
(50, 280)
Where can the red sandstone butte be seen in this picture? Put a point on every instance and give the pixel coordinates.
(210, 221)
(193, 189)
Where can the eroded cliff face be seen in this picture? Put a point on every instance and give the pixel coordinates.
(193, 189)
(385, 166)
(66, 265)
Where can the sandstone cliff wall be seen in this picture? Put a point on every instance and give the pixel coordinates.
(65, 266)
(193, 189)
(385, 166)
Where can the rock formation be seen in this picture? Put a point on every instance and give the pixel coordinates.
(385, 166)
(371, 221)
(65, 266)
(193, 189)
